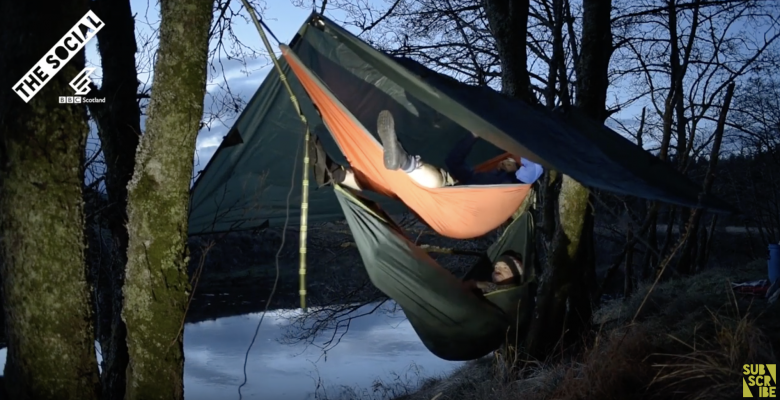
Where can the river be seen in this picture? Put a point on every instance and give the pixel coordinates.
(379, 357)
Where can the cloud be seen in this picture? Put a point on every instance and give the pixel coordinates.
(242, 86)
(234, 71)
(376, 346)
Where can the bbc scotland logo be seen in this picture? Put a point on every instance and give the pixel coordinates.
(59, 55)
(81, 100)
(759, 380)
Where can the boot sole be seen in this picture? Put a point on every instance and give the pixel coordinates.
(392, 152)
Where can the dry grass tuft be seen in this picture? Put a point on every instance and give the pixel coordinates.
(612, 369)
(689, 343)
(712, 366)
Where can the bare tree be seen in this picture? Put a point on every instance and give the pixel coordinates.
(48, 317)
(679, 58)
(751, 169)
(156, 287)
(119, 129)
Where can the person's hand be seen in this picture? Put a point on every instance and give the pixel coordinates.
(484, 285)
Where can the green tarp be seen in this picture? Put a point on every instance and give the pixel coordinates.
(254, 178)
(453, 322)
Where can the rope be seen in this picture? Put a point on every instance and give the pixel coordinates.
(271, 33)
(259, 24)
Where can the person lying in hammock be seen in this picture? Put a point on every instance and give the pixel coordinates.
(456, 318)
(507, 273)
(458, 171)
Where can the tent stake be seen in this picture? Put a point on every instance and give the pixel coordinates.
(307, 138)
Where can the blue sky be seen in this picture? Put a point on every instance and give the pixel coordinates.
(284, 19)
(281, 16)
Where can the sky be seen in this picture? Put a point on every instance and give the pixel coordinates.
(281, 16)
(284, 19)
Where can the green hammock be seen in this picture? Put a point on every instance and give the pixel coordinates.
(454, 323)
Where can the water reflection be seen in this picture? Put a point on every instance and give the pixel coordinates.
(381, 346)
(377, 346)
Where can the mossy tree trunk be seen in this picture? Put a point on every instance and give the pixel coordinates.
(51, 352)
(578, 219)
(156, 285)
(119, 130)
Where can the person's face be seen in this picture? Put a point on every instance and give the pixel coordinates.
(508, 165)
(502, 273)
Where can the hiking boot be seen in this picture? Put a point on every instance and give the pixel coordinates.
(395, 157)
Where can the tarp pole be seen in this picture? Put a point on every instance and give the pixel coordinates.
(307, 138)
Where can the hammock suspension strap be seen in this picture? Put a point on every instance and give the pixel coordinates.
(259, 24)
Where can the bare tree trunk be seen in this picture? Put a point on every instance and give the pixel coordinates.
(119, 129)
(564, 301)
(51, 352)
(559, 57)
(591, 89)
(156, 287)
(677, 75)
(650, 225)
(669, 232)
(689, 251)
(508, 21)
(702, 257)
(560, 276)
(628, 283)
(650, 258)
(593, 66)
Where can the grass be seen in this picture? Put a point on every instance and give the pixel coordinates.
(688, 342)
(398, 386)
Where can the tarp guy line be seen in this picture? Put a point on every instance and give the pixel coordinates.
(304, 189)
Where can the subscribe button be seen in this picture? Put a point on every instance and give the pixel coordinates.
(759, 380)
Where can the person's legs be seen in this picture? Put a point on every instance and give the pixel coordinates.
(345, 176)
(428, 176)
(395, 157)
(350, 181)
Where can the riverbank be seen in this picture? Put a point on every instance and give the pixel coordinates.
(238, 272)
(690, 340)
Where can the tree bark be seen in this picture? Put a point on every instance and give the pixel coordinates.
(119, 130)
(562, 284)
(628, 281)
(559, 57)
(51, 352)
(596, 51)
(564, 296)
(508, 20)
(575, 210)
(156, 287)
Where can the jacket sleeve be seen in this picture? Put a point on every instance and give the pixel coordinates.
(529, 171)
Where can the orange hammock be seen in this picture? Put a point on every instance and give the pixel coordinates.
(459, 212)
